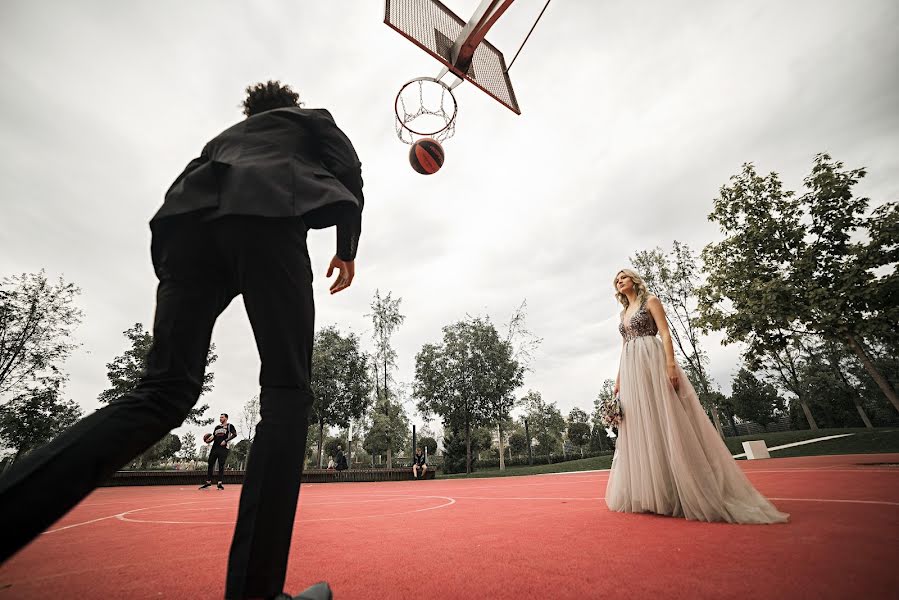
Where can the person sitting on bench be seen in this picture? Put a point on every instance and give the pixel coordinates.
(419, 464)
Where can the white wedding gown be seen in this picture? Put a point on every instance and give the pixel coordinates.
(669, 458)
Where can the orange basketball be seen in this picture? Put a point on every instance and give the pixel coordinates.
(208, 437)
(426, 156)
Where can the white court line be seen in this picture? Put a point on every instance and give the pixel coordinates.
(884, 502)
(115, 516)
(834, 469)
(450, 501)
(836, 500)
(577, 472)
(522, 498)
(803, 442)
(820, 471)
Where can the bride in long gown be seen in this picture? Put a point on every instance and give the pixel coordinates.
(669, 458)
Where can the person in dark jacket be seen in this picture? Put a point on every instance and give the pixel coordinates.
(233, 223)
(419, 464)
(341, 460)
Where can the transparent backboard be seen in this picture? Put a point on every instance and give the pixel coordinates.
(431, 26)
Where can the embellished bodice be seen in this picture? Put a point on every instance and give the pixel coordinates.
(640, 324)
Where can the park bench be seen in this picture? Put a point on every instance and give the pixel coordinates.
(366, 474)
(196, 477)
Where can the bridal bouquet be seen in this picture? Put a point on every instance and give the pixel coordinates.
(610, 412)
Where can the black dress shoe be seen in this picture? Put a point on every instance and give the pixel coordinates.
(319, 591)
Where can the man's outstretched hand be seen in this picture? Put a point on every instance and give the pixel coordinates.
(346, 271)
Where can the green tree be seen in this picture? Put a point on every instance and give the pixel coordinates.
(673, 278)
(501, 374)
(37, 318)
(456, 456)
(332, 444)
(429, 443)
(388, 430)
(755, 400)
(165, 449)
(725, 407)
(239, 454)
(518, 443)
(249, 418)
(481, 441)
(189, 447)
(467, 379)
(834, 397)
(125, 371)
(545, 421)
(36, 415)
(835, 356)
(523, 343)
(340, 381)
(578, 428)
(386, 319)
(599, 438)
(789, 268)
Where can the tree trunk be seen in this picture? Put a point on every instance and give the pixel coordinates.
(868, 364)
(808, 415)
(861, 412)
(389, 458)
(502, 456)
(321, 432)
(717, 421)
(713, 410)
(349, 444)
(527, 434)
(467, 448)
(851, 391)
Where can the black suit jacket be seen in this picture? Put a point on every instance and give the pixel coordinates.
(286, 162)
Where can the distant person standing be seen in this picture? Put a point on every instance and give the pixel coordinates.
(223, 433)
(340, 463)
(419, 464)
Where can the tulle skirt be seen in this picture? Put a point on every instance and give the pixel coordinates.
(669, 458)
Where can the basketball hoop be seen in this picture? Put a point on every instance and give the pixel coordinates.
(425, 107)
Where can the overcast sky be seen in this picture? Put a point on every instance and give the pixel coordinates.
(633, 115)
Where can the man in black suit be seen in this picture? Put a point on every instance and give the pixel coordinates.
(234, 222)
(341, 460)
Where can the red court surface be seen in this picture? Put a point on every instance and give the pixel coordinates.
(544, 536)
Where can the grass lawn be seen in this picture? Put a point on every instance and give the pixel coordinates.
(865, 441)
(583, 464)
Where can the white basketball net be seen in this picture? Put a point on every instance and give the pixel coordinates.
(425, 107)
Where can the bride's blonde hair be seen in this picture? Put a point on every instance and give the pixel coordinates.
(639, 287)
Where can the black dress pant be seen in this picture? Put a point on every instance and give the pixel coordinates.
(220, 455)
(201, 266)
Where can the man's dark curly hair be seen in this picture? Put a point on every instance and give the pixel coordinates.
(269, 95)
